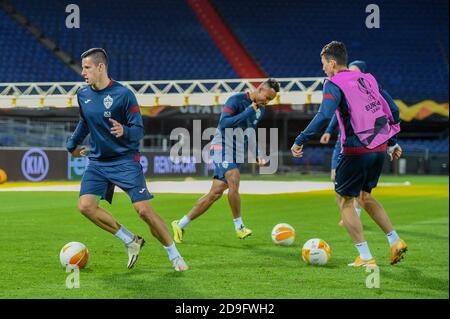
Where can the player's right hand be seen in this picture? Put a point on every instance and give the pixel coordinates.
(297, 150)
(260, 161)
(325, 138)
(394, 152)
(80, 151)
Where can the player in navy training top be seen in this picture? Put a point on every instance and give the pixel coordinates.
(110, 113)
(359, 167)
(241, 111)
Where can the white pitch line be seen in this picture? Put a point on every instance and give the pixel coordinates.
(202, 187)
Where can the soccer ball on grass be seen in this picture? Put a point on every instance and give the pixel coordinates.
(283, 234)
(74, 255)
(316, 251)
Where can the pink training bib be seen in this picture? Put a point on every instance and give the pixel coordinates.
(370, 115)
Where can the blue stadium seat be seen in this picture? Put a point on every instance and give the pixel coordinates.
(24, 59)
(146, 40)
(151, 40)
(431, 146)
(408, 54)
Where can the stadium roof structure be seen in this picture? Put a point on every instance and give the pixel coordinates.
(161, 93)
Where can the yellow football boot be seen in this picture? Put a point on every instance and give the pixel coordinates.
(243, 232)
(178, 232)
(359, 262)
(398, 251)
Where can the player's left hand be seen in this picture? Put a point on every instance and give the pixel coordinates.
(116, 129)
(394, 152)
(297, 150)
(325, 138)
(260, 161)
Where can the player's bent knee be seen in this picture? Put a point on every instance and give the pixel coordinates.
(345, 201)
(146, 214)
(364, 198)
(233, 186)
(216, 195)
(145, 211)
(216, 192)
(361, 202)
(86, 208)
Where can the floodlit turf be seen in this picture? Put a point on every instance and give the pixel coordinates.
(35, 225)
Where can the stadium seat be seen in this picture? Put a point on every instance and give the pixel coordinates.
(24, 59)
(153, 45)
(407, 55)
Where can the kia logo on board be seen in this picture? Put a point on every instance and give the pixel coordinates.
(35, 165)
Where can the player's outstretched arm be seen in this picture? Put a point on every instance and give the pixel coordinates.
(325, 138)
(333, 125)
(327, 109)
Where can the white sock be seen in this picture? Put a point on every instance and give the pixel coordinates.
(184, 221)
(238, 224)
(358, 212)
(172, 251)
(392, 237)
(364, 251)
(124, 235)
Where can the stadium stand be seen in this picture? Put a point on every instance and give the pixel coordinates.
(408, 54)
(24, 59)
(164, 40)
(419, 145)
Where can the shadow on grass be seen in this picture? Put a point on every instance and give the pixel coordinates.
(155, 283)
(427, 236)
(284, 253)
(418, 277)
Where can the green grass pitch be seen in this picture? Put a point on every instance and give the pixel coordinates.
(35, 225)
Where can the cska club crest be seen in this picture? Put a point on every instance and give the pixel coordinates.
(108, 101)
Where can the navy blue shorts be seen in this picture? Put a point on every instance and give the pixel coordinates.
(99, 180)
(356, 173)
(335, 156)
(221, 166)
